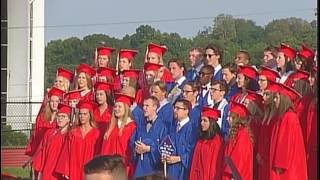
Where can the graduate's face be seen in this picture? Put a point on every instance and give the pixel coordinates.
(102, 78)
(103, 60)
(263, 82)
(84, 116)
(216, 93)
(205, 123)
(149, 108)
(156, 92)
(125, 81)
(194, 57)
(227, 75)
(59, 82)
(175, 70)
(267, 56)
(153, 58)
(240, 80)
(54, 101)
(180, 112)
(73, 103)
(150, 77)
(101, 97)
(298, 64)
(188, 94)
(62, 120)
(212, 57)
(118, 109)
(124, 64)
(281, 60)
(82, 80)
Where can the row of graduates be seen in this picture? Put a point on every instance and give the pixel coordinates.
(206, 96)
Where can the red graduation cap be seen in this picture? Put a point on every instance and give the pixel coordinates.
(257, 98)
(65, 73)
(288, 51)
(105, 51)
(151, 67)
(120, 97)
(303, 75)
(289, 92)
(273, 86)
(105, 71)
(103, 86)
(83, 104)
(132, 73)
(306, 52)
(127, 53)
(269, 73)
(55, 92)
(63, 108)
(160, 50)
(248, 71)
(76, 94)
(211, 113)
(86, 69)
(239, 109)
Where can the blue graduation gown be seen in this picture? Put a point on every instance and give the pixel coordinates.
(203, 101)
(232, 91)
(166, 114)
(195, 115)
(218, 75)
(151, 161)
(173, 98)
(137, 115)
(191, 74)
(184, 142)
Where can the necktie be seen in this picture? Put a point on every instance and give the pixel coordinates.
(178, 126)
(194, 74)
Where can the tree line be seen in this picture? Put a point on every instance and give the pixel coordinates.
(232, 34)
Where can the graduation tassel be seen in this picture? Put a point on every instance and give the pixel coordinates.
(165, 168)
(141, 155)
(117, 65)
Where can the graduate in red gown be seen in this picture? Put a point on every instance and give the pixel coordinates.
(239, 147)
(130, 78)
(82, 144)
(287, 151)
(155, 55)
(207, 158)
(245, 81)
(117, 137)
(85, 73)
(45, 121)
(102, 114)
(103, 56)
(150, 76)
(51, 145)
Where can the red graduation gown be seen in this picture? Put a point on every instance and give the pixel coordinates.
(139, 97)
(312, 141)
(240, 150)
(88, 97)
(77, 152)
(102, 120)
(166, 77)
(207, 159)
(287, 148)
(119, 144)
(41, 127)
(47, 158)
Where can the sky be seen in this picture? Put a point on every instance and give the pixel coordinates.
(79, 18)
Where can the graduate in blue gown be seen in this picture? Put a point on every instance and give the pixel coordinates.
(165, 110)
(146, 139)
(183, 138)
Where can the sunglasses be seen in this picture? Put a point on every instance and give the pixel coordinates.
(209, 55)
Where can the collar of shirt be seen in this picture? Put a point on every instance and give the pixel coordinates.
(198, 68)
(205, 89)
(152, 120)
(162, 103)
(216, 69)
(180, 80)
(133, 106)
(184, 121)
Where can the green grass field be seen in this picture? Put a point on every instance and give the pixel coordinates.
(17, 171)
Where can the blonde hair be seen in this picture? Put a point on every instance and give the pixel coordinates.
(92, 120)
(126, 115)
(238, 122)
(48, 112)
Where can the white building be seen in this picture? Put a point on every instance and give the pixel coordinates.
(22, 23)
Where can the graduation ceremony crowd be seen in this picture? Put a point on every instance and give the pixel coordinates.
(225, 120)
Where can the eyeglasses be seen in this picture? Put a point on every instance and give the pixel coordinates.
(209, 55)
(178, 108)
(214, 89)
(186, 91)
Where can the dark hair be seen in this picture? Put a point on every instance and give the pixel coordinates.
(222, 85)
(272, 50)
(246, 53)
(112, 164)
(154, 100)
(194, 85)
(209, 68)
(217, 50)
(232, 67)
(186, 103)
(212, 131)
(178, 61)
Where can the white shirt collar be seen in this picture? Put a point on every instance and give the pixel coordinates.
(133, 106)
(180, 80)
(162, 103)
(216, 69)
(184, 121)
(198, 68)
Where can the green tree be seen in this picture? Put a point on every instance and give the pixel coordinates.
(12, 138)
